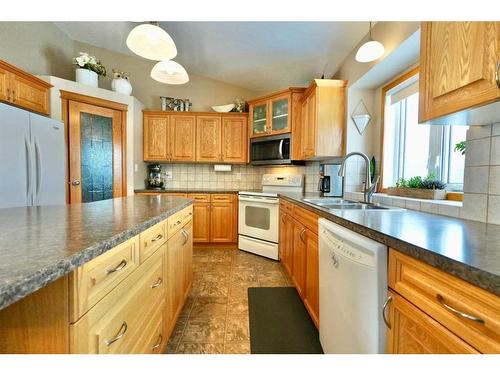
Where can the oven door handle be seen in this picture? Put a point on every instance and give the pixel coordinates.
(258, 199)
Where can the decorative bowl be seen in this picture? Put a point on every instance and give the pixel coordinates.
(223, 108)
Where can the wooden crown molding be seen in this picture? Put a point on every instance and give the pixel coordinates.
(67, 95)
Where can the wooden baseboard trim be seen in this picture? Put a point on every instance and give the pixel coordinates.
(222, 246)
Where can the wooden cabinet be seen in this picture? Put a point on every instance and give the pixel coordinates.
(234, 140)
(195, 137)
(274, 113)
(201, 217)
(221, 222)
(155, 136)
(321, 131)
(24, 90)
(298, 241)
(182, 138)
(467, 316)
(458, 67)
(414, 332)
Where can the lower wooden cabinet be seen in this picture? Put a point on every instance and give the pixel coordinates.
(298, 241)
(414, 332)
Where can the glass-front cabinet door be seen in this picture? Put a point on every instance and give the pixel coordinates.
(259, 119)
(279, 115)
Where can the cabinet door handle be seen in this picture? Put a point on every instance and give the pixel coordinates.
(461, 314)
(13, 96)
(119, 335)
(186, 236)
(157, 284)
(497, 78)
(283, 218)
(8, 94)
(384, 312)
(119, 267)
(157, 238)
(158, 343)
(302, 235)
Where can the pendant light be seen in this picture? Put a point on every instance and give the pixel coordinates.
(371, 50)
(170, 72)
(150, 41)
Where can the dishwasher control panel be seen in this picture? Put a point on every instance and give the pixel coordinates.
(348, 250)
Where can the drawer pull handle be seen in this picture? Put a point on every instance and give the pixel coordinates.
(461, 314)
(157, 238)
(384, 312)
(119, 267)
(158, 343)
(186, 236)
(158, 283)
(120, 334)
(177, 222)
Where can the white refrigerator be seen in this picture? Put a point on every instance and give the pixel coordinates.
(32, 159)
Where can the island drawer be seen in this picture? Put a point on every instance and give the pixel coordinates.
(91, 282)
(466, 310)
(179, 219)
(130, 312)
(151, 239)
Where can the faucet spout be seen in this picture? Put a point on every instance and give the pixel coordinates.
(369, 187)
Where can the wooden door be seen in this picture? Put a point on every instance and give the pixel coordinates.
(28, 94)
(96, 152)
(208, 138)
(182, 138)
(174, 277)
(201, 222)
(221, 222)
(414, 332)
(286, 242)
(458, 66)
(155, 133)
(282, 238)
(309, 127)
(299, 257)
(188, 258)
(311, 299)
(234, 139)
(4, 85)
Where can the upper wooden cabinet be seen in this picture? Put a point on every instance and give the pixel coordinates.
(459, 63)
(273, 114)
(321, 130)
(24, 90)
(195, 137)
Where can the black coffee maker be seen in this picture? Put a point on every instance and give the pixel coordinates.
(154, 178)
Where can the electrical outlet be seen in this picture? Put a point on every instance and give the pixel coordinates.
(168, 175)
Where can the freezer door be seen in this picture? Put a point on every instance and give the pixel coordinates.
(16, 157)
(50, 161)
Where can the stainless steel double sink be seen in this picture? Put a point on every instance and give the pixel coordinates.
(344, 204)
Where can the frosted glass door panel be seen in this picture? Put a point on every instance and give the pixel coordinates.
(259, 119)
(96, 134)
(279, 120)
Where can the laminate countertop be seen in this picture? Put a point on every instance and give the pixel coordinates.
(467, 249)
(40, 244)
(188, 191)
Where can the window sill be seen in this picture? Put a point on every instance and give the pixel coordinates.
(441, 207)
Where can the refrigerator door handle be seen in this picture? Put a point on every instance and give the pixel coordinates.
(28, 171)
(38, 170)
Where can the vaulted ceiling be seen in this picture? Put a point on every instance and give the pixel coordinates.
(259, 56)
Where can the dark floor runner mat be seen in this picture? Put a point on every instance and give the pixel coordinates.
(280, 324)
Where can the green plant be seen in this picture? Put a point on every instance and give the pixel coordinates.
(85, 61)
(417, 182)
(460, 147)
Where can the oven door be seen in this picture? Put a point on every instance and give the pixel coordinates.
(258, 217)
(270, 150)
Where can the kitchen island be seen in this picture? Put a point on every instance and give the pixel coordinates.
(75, 264)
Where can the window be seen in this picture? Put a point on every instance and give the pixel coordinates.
(412, 149)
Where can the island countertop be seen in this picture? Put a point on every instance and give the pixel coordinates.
(40, 244)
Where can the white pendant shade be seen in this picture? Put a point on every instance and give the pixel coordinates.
(169, 72)
(370, 51)
(151, 42)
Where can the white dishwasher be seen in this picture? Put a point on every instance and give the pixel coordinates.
(352, 291)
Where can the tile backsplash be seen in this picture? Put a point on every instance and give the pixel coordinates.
(240, 176)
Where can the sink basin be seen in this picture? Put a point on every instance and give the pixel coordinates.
(335, 204)
(328, 201)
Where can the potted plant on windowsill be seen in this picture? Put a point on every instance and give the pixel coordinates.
(88, 69)
(417, 187)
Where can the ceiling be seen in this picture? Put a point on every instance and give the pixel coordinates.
(259, 56)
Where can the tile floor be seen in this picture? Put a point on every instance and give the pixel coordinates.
(215, 317)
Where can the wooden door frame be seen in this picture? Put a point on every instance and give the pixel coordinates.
(400, 79)
(66, 97)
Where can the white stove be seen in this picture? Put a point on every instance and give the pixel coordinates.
(258, 214)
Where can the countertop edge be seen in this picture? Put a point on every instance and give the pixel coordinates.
(475, 276)
(21, 288)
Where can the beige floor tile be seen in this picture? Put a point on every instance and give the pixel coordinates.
(237, 328)
(205, 330)
(237, 347)
(209, 306)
